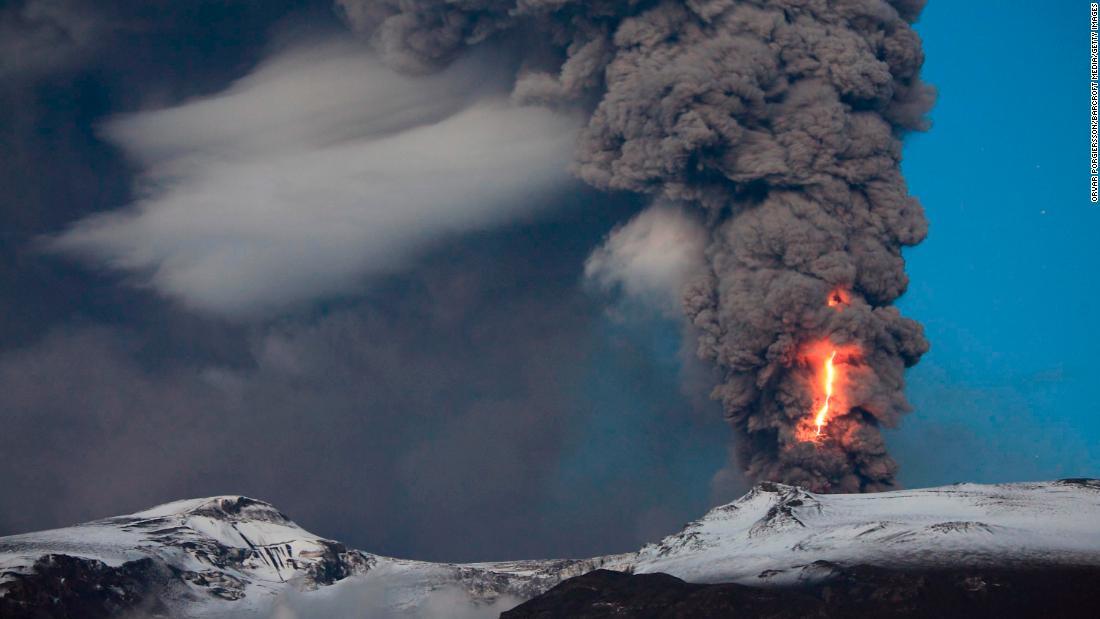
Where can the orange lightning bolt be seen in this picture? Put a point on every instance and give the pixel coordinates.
(827, 382)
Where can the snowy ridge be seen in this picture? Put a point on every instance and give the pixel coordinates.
(235, 556)
(781, 534)
(224, 548)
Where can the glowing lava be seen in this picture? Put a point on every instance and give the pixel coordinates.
(828, 379)
(839, 298)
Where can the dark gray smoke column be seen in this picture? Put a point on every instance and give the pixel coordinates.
(781, 121)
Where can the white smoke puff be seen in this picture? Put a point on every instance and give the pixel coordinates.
(321, 167)
(651, 258)
(388, 597)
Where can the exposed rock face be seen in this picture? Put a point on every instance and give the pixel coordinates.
(861, 591)
(63, 587)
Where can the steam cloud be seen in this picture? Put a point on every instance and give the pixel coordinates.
(381, 597)
(780, 122)
(650, 258)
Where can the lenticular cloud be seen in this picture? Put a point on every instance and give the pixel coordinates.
(318, 168)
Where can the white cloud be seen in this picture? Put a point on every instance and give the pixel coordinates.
(386, 597)
(651, 258)
(320, 167)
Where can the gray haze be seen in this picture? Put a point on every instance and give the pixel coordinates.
(441, 416)
(781, 121)
(472, 400)
(43, 35)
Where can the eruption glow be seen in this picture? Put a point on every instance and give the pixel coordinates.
(827, 384)
(830, 386)
(839, 298)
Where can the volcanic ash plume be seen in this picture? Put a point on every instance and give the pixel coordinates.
(780, 122)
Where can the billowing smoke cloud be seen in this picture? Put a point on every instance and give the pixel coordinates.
(318, 168)
(780, 122)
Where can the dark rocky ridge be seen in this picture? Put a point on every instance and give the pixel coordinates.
(860, 591)
(64, 587)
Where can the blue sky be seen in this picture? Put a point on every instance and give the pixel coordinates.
(1004, 283)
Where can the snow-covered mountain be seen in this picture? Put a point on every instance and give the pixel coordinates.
(235, 556)
(776, 533)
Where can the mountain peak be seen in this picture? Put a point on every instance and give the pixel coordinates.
(229, 508)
